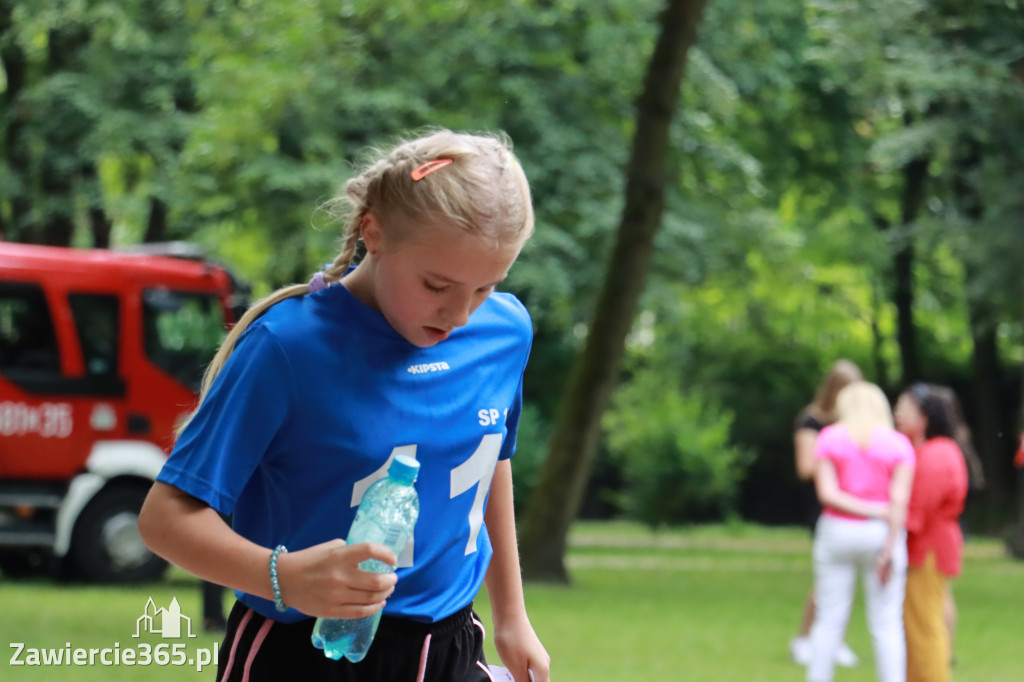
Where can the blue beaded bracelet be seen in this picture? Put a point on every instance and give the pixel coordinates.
(274, 584)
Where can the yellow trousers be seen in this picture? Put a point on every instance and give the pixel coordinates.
(928, 654)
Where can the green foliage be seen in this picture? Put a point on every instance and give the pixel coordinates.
(940, 81)
(795, 125)
(531, 449)
(674, 451)
(104, 84)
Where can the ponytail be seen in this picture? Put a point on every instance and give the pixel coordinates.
(484, 190)
(332, 273)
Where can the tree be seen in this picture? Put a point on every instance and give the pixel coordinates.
(93, 91)
(594, 372)
(934, 87)
(15, 147)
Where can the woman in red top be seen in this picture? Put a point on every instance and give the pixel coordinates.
(929, 416)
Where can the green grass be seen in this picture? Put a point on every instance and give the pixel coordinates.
(713, 604)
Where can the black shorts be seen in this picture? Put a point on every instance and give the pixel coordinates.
(257, 649)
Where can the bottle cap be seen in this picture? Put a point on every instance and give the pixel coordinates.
(404, 469)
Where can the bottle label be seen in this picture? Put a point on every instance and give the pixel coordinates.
(391, 538)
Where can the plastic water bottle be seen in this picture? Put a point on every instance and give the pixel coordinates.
(386, 515)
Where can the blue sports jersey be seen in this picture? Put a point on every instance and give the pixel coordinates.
(318, 396)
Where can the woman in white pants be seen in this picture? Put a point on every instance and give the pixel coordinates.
(863, 478)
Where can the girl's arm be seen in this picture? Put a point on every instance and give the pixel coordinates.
(514, 638)
(803, 445)
(899, 496)
(323, 580)
(830, 495)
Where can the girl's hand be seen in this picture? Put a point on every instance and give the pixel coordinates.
(521, 651)
(883, 565)
(325, 580)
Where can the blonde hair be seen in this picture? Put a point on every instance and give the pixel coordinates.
(483, 191)
(863, 407)
(841, 374)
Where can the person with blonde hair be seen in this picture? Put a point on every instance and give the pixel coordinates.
(812, 419)
(863, 478)
(408, 350)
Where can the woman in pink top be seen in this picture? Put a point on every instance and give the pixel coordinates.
(812, 419)
(929, 416)
(863, 479)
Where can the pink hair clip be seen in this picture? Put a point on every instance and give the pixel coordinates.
(427, 168)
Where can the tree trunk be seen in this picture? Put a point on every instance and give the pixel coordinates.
(555, 502)
(877, 338)
(15, 147)
(99, 223)
(156, 228)
(914, 174)
(1018, 424)
(990, 440)
(56, 185)
(987, 409)
(59, 169)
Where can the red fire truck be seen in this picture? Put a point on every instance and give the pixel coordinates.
(101, 354)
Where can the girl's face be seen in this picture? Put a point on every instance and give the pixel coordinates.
(909, 418)
(428, 284)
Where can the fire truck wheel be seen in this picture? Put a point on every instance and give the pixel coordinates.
(106, 546)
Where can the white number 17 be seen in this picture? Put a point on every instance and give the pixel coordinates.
(476, 471)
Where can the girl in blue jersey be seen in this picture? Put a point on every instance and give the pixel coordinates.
(319, 386)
